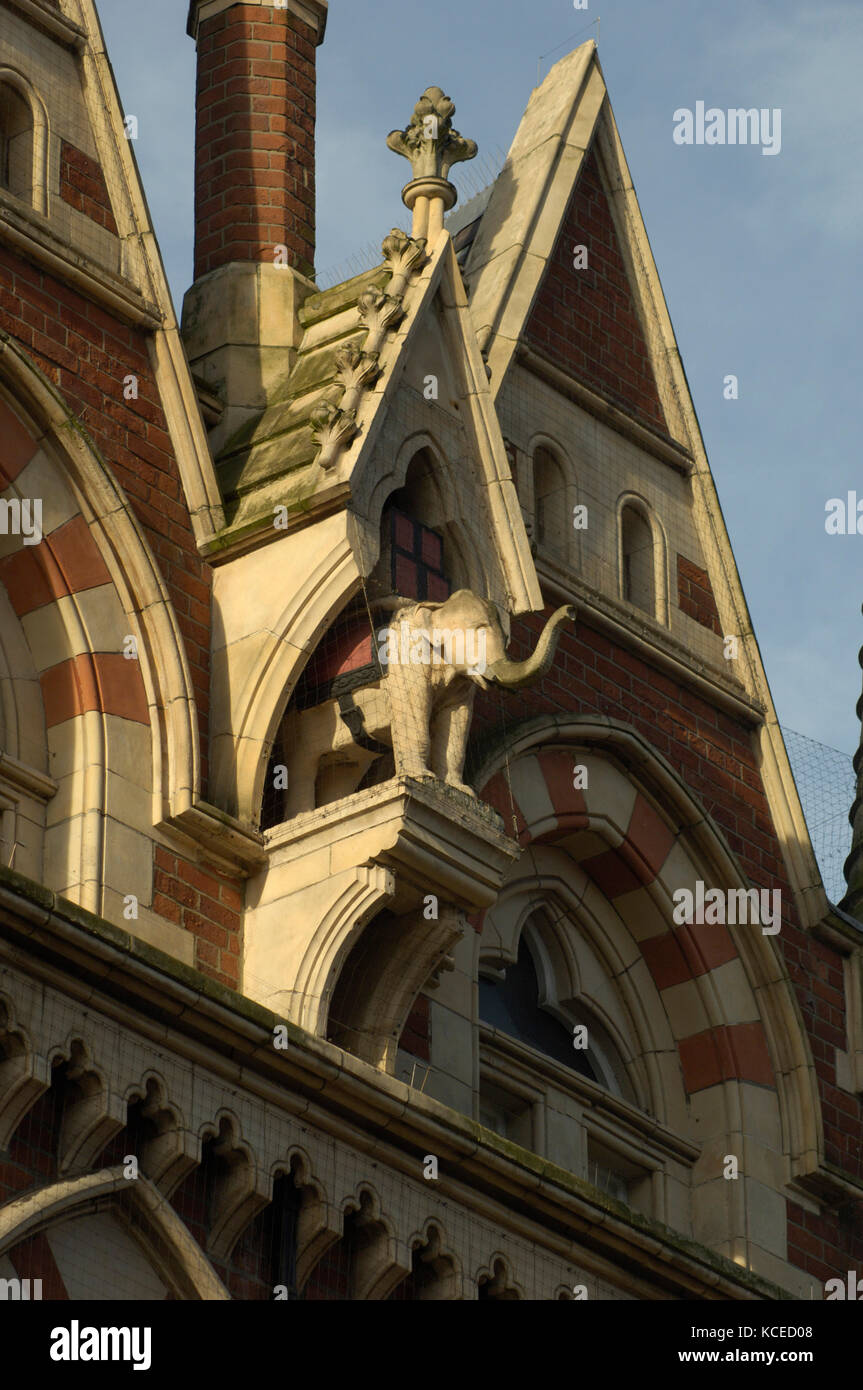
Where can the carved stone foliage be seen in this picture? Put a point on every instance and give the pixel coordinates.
(379, 311)
(429, 140)
(403, 254)
(332, 427)
(356, 369)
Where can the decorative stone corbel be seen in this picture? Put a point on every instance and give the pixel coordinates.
(432, 146)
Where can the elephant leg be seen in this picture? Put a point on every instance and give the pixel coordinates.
(410, 700)
(307, 735)
(300, 793)
(449, 739)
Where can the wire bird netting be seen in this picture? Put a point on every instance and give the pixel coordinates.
(826, 784)
(473, 181)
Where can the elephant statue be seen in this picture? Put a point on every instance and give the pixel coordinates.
(434, 656)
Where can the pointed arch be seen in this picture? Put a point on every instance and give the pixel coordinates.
(642, 556)
(161, 1232)
(713, 1006)
(37, 153)
(84, 497)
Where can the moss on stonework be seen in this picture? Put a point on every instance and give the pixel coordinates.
(258, 457)
(701, 1254)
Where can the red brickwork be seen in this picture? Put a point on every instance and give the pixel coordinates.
(825, 1244)
(255, 140)
(206, 903)
(586, 320)
(713, 754)
(31, 1159)
(86, 353)
(83, 186)
(695, 594)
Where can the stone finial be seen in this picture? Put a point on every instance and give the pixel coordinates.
(432, 146)
(429, 141)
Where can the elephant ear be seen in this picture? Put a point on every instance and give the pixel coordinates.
(421, 613)
(414, 610)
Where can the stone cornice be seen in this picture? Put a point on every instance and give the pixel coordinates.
(30, 234)
(659, 649)
(228, 844)
(311, 12)
(665, 449)
(58, 25)
(19, 777)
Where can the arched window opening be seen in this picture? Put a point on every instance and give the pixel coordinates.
(342, 1272)
(413, 561)
(431, 1276)
(137, 1134)
(195, 1199)
(16, 143)
(550, 504)
(495, 1286)
(345, 660)
(280, 1222)
(638, 577)
(332, 1279)
(415, 555)
(34, 1150)
(510, 1003)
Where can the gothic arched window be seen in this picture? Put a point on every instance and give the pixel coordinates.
(16, 143)
(637, 559)
(550, 503)
(23, 139)
(511, 1004)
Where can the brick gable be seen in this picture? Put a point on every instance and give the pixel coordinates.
(586, 320)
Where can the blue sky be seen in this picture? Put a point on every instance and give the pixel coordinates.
(758, 256)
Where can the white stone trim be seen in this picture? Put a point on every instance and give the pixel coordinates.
(311, 12)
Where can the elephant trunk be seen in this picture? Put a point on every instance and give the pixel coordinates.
(512, 675)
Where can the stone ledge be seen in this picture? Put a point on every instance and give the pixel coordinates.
(433, 835)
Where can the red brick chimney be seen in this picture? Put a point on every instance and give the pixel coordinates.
(254, 196)
(255, 131)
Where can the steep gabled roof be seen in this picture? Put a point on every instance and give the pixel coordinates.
(565, 168)
(566, 181)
